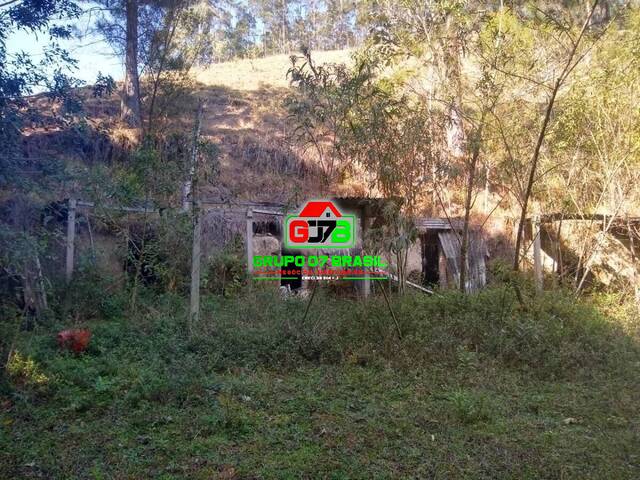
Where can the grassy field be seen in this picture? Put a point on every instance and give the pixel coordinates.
(254, 74)
(476, 388)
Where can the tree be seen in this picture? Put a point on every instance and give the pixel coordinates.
(179, 41)
(571, 60)
(318, 111)
(21, 73)
(22, 237)
(596, 145)
(130, 112)
(442, 36)
(358, 121)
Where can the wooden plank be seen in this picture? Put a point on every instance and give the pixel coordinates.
(223, 207)
(249, 240)
(194, 303)
(476, 265)
(435, 224)
(553, 217)
(537, 253)
(267, 212)
(81, 203)
(451, 249)
(71, 237)
(411, 284)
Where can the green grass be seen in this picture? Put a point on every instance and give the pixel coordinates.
(476, 388)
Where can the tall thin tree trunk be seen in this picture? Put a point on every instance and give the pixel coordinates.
(532, 174)
(284, 26)
(468, 204)
(485, 206)
(169, 20)
(194, 303)
(569, 66)
(130, 104)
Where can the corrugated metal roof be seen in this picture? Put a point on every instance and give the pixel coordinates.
(476, 267)
(427, 223)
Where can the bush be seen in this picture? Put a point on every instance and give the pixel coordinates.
(469, 407)
(555, 336)
(226, 272)
(91, 294)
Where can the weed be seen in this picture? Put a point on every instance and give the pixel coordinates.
(262, 392)
(469, 407)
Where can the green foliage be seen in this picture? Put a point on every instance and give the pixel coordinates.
(91, 294)
(255, 378)
(22, 72)
(555, 337)
(395, 235)
(226, 271)
(103, 86)
(171, 261)
(469, 407)
(362, 118)
(25, 372)
(157, 241)
(319, 110)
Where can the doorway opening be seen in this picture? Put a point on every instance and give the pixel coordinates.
(430, 258)
(293, 281)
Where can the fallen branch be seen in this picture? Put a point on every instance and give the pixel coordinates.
(414, 285)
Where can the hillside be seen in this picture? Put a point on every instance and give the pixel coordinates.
(244, 116)
(417, 258)
(255, 74)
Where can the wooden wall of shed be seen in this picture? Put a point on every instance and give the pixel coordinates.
(612, 264)
(499, 234)
(96, 247)
(219, 228)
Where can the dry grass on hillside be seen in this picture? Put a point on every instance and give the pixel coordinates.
(254, 74)
(246, 118)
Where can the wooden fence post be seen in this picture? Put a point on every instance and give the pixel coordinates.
(537, 253)
(194, 301)
(250, 240)
(194, 306)
(71, 236)
(366, 283)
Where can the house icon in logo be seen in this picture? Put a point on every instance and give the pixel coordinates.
(320, 209)
(320, 225)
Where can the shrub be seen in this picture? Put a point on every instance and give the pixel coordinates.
(91, 294)
(26, 371)
(555, 336)
(469, 407)
(226, 272)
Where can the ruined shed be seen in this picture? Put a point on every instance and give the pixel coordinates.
(440, 242)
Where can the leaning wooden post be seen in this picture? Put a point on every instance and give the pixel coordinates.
(194, 304)
(71, 237)
(41, 289)
(250, 241)
(194, 307)
(366, 283)
(537, 253)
